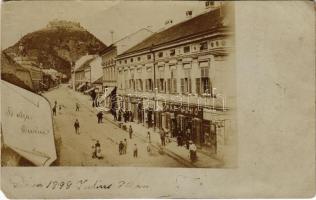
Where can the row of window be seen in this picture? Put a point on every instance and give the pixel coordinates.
(109, 62)
(203, 85)
(186, 49)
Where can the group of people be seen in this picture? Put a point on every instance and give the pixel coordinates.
(55, 108)
(100, 117)
(123, 115)
(164, 137)
(123, 147)
(184, 137)
(97, 150)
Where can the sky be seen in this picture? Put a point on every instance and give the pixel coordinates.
(98, 17)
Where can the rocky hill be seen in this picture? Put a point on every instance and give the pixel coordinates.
(57, 46)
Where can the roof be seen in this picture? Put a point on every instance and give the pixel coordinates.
(85, 65)
(115, 44)
(13, 79)
(82, 60)
(107, 49)
(98, 81)
(7, 61)
(200, 24)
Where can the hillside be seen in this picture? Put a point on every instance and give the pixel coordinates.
(57, 45)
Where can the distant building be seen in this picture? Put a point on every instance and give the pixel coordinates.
(30, 63)
(64, 24)
(180, 79)
(81, 73)
(14, 73)
(109, 54)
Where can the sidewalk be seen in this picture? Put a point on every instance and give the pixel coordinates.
(179, 153)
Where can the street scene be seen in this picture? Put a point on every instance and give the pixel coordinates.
(78, 149)
(161, 94)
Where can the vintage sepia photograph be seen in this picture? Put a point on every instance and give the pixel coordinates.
(119, 84)
(157, 99)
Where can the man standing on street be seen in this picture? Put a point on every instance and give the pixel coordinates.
(54, 110)
(162, 138)
(121, 147)
(148, 136)
(100, 116)
(77, 106)
(135, 153)
(125, 146)
(76, 125)
(130, 131)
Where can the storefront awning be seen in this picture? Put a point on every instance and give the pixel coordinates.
(89, 90)
(108, 91)
(43, 84)
(80, 86)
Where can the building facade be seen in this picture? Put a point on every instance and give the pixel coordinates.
(180, 79)
(109, 63)
(81, 74)
(9, 66)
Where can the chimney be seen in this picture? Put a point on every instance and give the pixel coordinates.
(188, 14)
(168, 23)
(212, 4)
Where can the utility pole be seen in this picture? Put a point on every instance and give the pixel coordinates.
(74, 77)
(112, 33)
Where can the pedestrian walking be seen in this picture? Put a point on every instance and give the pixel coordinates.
(125, 116)
(100, 116)
(121, 147)
(192, 151)
(163, 138)
(130, 131)
(54, 110)
(76, 125)
(125, 146)
(77, 106)
(148, 137)
(179, 140)
(148, 147)
(135, 152)
(97, 151)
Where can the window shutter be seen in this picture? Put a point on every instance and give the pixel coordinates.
(169, 85)
(198, 90)
(190, 86)
(165, 88)
(175, 85)
(209, 86)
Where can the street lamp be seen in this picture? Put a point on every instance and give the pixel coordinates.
(155, 92)
(74, 77)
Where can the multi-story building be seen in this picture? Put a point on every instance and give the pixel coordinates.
(109, 56)
(181, 79)
(81, 73)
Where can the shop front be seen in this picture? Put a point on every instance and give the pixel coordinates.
(184, 121)
(215, 128)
